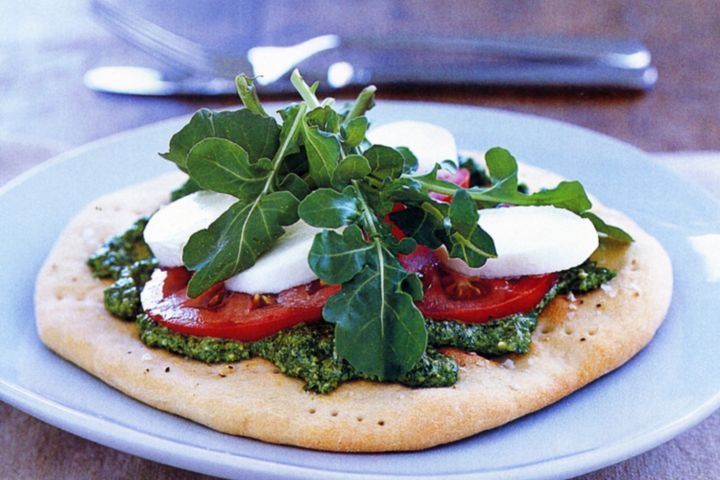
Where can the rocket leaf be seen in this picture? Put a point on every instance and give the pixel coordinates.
(256, 134)
(234, 241)
(223, 166)
(378, 328)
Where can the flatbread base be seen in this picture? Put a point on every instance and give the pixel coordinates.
(577, 341)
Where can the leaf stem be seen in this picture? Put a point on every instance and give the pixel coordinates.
(369, 221)
(374, 181)
(368, 218)
(363, 103)
(478, 195)
(292, 135)
(304, 90)
(248, 94)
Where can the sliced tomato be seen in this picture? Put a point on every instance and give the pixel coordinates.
(452, 296)
(480, 300)
(238, 316)
(461, 177)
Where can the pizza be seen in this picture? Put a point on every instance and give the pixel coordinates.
(374, 389)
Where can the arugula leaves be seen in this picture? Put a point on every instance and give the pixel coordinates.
(502, 172)
(256, 134)
(375, 308)
(223, 166)
(315, 164)
(234, 241)
(239, 153)
(327, 208)
(379, 330)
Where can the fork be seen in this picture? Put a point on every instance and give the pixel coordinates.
(519, 62)
(267, 63)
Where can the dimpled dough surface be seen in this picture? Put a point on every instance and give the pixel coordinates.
(576, 341)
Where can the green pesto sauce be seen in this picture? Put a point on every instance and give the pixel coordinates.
(513, 333)
(307, 351)
(120, 251)
(127, 259)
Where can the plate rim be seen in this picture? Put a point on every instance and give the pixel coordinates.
(591, 459)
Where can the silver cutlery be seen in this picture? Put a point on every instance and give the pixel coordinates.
(511, 62)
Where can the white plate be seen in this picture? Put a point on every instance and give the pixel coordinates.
(670, 386)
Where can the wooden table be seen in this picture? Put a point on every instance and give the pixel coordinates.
(46, 46)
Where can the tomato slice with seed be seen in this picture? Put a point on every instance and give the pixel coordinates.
(461, 177)
(452, 296)
(232, 315)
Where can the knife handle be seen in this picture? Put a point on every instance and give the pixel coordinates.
(524, 74)
(613, 52)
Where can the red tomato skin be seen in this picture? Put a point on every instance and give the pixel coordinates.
(461, 177)
(504, 296)
(500, 296)
(231, 315)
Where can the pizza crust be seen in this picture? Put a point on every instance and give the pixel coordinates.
(575, 343)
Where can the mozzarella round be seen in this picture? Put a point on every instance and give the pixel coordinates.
(430, 143)
(170, 228)
(531, 241)
(283, 267)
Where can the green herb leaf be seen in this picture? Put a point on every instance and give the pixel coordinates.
(468, 241)
(463, 213)
(248, 94)
(222, 166)
(256, 134)
(327, 208)
(567, 194)
(336, 258)
(410, 161)
(353, 133)
(352, 167)
(406, 190)
(378, 328)
(325, 119)
(425, 224)
(249, 228)
(323, 154)
(234, 241)
(364, 102)
(610, 231)
(385, 162)
(502, 168)
(502, 171)
(291, 115)
(294, 184)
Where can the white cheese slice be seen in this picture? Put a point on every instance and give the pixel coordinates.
(283, 267)
(169, 228)
(430, 143)
(531, 241)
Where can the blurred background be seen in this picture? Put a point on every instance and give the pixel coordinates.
(47, 47)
